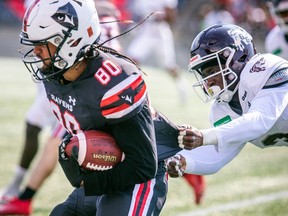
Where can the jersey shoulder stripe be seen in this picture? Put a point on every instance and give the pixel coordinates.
(124, 97)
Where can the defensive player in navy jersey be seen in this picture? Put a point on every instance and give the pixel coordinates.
(89, 87)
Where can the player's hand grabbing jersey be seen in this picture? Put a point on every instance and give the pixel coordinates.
(110, 95)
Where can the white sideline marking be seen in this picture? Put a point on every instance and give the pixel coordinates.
(238, 204)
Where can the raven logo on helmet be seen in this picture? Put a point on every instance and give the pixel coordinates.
(58, 23)
(66, 16)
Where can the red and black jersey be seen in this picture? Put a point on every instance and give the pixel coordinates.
(110, 95)
(110, 90)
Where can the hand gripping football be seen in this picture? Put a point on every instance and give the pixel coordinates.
(97, 150)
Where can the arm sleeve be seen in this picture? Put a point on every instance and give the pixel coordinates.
(265, 110)
(136, 138)
(206, 160)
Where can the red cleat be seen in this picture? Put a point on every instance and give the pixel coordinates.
(197, 182)
(16, 207)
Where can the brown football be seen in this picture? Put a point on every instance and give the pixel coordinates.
(97, 150)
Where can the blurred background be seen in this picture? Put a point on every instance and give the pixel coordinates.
(255, 172)
(192, 17)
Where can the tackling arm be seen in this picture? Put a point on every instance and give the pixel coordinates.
(205, 160)
(266, 108)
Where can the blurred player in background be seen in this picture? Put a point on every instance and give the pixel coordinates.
(38, 117)
(250, 100)
(216, 13)
(155, 37)
(109, 16)
(276, 41)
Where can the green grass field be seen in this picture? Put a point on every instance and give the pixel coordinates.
(255, 183)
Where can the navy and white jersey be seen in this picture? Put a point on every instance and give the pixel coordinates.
(110, 95)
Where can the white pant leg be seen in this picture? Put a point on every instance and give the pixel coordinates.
(40, 113)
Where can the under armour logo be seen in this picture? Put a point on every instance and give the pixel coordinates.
(72, 100)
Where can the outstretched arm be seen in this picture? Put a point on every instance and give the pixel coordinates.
(205, 160)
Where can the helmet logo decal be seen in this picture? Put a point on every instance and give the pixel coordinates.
(66, 16)
(90, 31)
(194, 61)
(258, 66)
(239, 38)
(194, 58)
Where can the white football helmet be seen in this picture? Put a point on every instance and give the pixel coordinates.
(227, 46)
(70, 25)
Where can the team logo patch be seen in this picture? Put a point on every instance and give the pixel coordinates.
(66, 16)
(240, 37)
(127, 96)
(258, 66)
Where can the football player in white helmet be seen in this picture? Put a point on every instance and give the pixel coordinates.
(155, 39)
(276, 41)
(69, 34)
(84, 82)
(250, 97)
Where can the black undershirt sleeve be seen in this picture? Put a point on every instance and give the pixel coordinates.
(136, 138)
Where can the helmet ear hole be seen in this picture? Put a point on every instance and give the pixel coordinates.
(75, 43)
(243, 58)
(237, 66)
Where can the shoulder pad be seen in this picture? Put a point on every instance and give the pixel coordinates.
(277, 78)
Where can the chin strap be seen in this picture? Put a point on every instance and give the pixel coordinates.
(227, 95)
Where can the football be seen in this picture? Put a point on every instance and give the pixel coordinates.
(97, 150)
